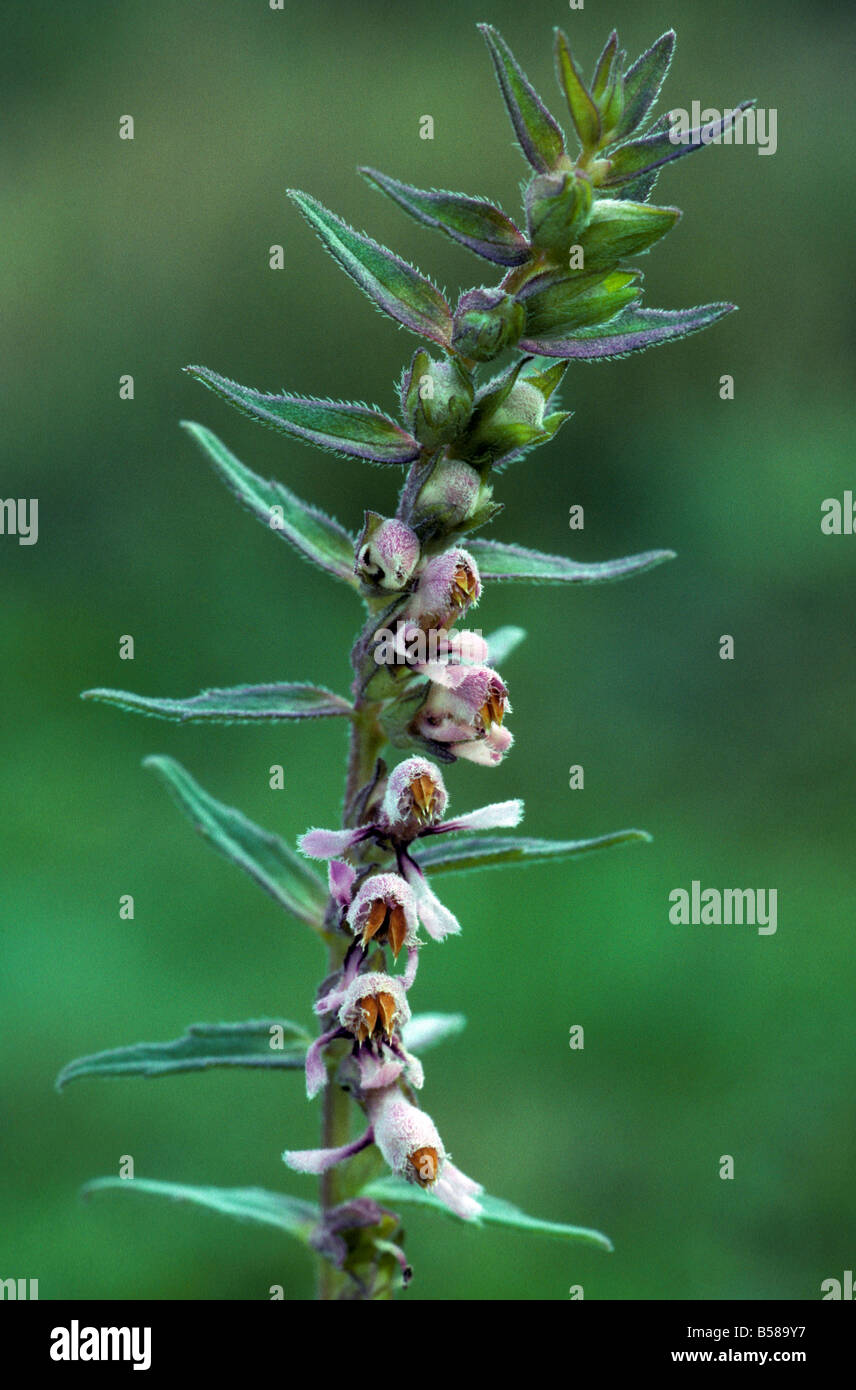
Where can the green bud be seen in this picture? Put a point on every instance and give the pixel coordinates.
(486, 321)
(557, 209)
(436, 400)
(452, 496)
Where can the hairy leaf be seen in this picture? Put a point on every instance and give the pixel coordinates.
(540, 137)
(447, 855)
(643, 81)
(650, 151)
(565, 306)
(204, 1045)
(619, 228)
(427, 1030)
(584, 113)
(496, 1212)
(290, 1214)
(502, 643)
(241, 704)
(632, 331)
(317, 537)
(268, 860)
(352, 431)
(474, 222)
(603, 66)
(499, 561)
(396, 287)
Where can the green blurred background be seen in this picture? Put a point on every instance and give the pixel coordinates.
(141, 257)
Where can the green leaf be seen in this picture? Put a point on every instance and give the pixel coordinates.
(427, 1030)
(396, 287)
(268, 860)
(290, 1214)
(485, 851)
(642, 83)
(241, 704)
(317, 537)
(540, 137)
(496, 1212)
(474, 222)
(603, 66)
(502, 642)
(352, 431)
(498, 561)
(584, 113)
(618, 228)
(204, 1045)
(572, 303)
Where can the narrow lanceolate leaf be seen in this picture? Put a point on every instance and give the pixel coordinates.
(486, 851)
(290, 1214)
(632, 331)
(540, 137)
(242, 704)
(495, 1212)
(353, 431)
(473, 222)
(666, 143)
(643, 81)
(603, 66)
(395, 286)
(268, 860)
(317, 537)
(500, 561)
(262, 1042)
(427, 1030)
(584, 113)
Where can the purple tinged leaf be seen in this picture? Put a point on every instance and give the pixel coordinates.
(499, 562)
(203, 1046)
(633, 331)
(643, 82)
(267, 859)
(242, 704)
(474, 222)
(318, 538)
(395, 286)
(540, 137)
(603, 66)
(651, 151)
(352, 431)
(584, 113)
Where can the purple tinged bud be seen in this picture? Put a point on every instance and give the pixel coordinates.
(387, 554)
(436, 400)
(452, 495)
(486, 321)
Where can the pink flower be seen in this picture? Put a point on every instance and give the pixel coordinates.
(464, 710)
(447, 586)
(408, 1139)
(384, 911)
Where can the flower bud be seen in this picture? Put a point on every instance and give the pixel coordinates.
(415, 795)
(387, 553)
(557, 210)
(486, 321)
(453, 495)
(436, 400)
(384, 911)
